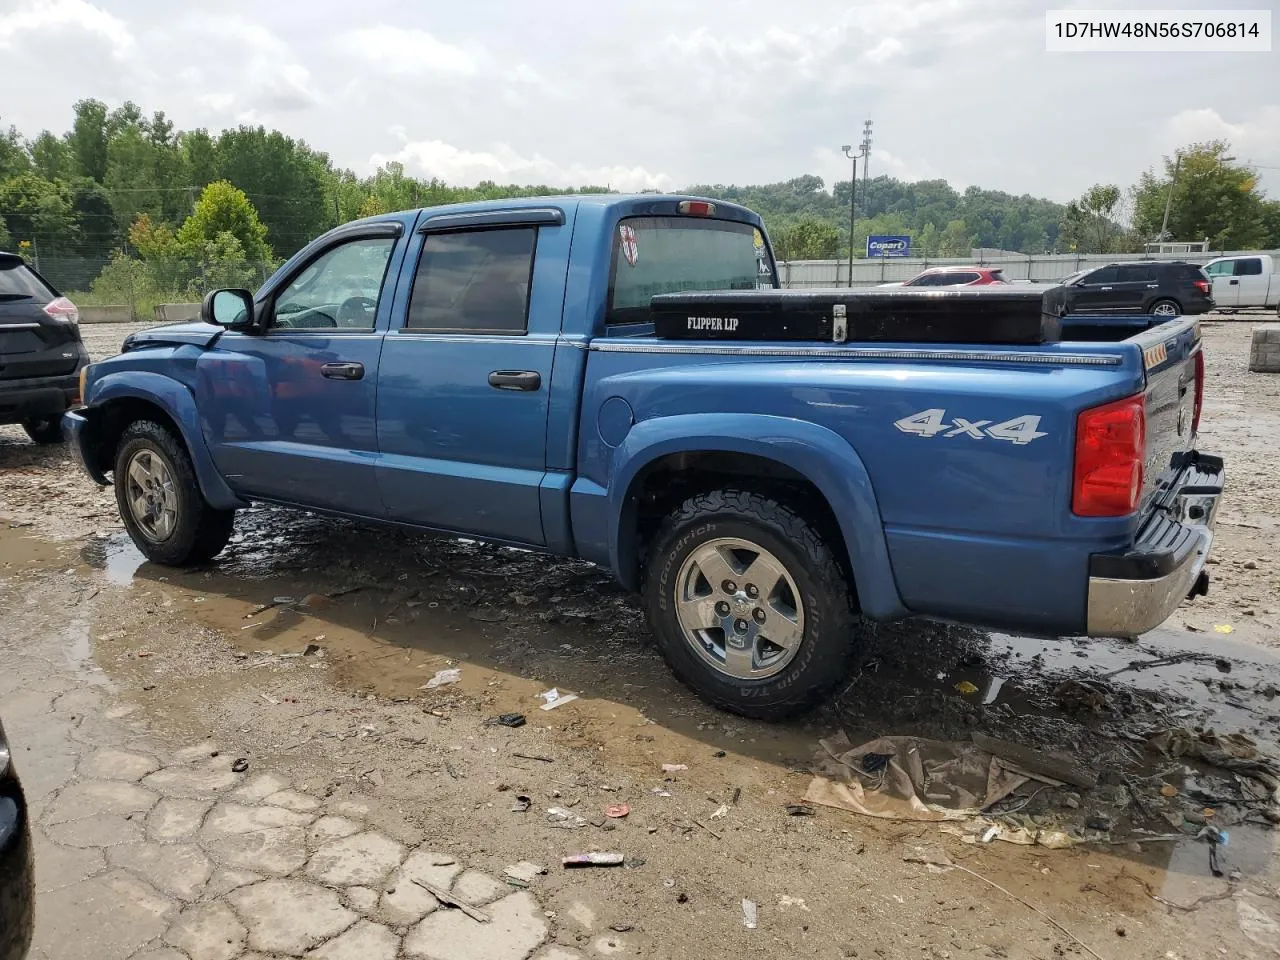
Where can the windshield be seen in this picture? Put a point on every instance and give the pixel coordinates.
(653, 255)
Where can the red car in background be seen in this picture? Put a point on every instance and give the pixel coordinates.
(953, 277)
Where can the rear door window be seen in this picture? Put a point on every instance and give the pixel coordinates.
(1136, 273)
(655, 255)
(1249, 267)
(474, 280)
(18, 282)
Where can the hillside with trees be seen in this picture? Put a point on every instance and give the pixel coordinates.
(125, 208)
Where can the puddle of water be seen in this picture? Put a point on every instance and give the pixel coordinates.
(78, 648)
(116, 556)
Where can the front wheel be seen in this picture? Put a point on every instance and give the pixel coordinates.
(45, 430)
(160, 501)
(749, 605)
(1166, 308)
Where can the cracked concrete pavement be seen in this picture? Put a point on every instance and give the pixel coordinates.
(154, 854)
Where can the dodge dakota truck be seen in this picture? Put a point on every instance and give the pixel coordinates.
(764, 470)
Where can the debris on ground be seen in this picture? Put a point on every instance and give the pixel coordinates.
(674, 767)
(554, 698)
(449, 900)
(524, 873)
(617, 811)
(240, 765)
(750, 914)
(593, 860)
(521, 804)
(564, 817)
(800, 810)
(443, 678)
(722, 811)
(512, 720)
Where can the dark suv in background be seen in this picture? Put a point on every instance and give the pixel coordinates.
(40, 351)
(1165, 288)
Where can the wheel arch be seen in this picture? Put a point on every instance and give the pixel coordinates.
(121, 399)
(675, 456)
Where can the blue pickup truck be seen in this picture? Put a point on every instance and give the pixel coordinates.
(492, 370)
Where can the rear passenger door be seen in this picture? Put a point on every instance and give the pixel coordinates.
(466, 372)
(1135, 282)
(1249, 283)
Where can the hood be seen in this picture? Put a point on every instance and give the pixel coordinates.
(194, 333)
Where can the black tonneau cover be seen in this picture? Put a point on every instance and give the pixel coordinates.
(988, 315)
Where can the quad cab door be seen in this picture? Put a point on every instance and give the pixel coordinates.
(289, 409)
(465, 379)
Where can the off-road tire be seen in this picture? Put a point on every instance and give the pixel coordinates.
(45, 431)
(201, 531)
(829, 641)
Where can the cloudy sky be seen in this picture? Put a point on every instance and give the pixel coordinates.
(659, 93)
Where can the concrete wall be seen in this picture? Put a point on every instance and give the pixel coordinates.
(120, 314)
(177, 312)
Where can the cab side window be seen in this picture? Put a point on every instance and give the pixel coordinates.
(1249, 267)
(339, 290)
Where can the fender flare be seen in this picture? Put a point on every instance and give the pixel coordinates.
(177, 402)
(820, 455)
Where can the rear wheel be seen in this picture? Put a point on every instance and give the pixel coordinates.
(44, 430)
(1166, 308)
(749, 605)
(160, 501)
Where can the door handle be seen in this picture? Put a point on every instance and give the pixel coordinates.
(1233, 282)
(1104, 289)
(343, 371)
(515, 379)
(1153, 286)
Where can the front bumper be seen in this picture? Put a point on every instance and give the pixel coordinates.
(73, 428)
(1135, 591)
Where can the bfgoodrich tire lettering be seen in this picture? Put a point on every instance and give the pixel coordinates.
(198, 531)
(829, 620)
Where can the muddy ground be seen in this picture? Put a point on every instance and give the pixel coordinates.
(219, 654)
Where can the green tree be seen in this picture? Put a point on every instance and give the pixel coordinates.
(1212, 197)
(223, 208)
(284, 178)
(13, 155)
(1089, 224)
(925, 243)
(806, 239)
(89, 139)
(35, 209)
(52, 157)
(956, 240)
(200, 157)
(6, 241)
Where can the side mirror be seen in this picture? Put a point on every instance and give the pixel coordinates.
(232, 309)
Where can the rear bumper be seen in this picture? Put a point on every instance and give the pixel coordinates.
(38, 398)
(1135, 591)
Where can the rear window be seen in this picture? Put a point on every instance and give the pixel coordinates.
(17, 282)
(1188, 271)
(655, 255)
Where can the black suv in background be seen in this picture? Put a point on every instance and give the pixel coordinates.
(40, 351)
(1165, 288)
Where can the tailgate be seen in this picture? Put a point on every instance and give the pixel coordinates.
(1174, 362)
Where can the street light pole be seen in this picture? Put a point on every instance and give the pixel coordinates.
(1168, 201)
(853, 187)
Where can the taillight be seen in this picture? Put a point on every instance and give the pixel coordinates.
(1110, 447)
(1203, 286)
(697, 208)
(62, 309)
(1199, 404)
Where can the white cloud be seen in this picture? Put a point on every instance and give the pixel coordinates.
(502, 164)
(886, 49)
(43, 17)
(1254, 136)
(407, 51)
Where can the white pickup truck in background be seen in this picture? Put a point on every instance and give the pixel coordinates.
(1242, 282)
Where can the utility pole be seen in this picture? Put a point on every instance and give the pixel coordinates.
(1168, 201)
(853, 188)
(866, 162)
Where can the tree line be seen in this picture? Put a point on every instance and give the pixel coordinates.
(126, 205)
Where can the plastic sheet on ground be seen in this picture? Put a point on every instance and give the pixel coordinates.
(921, 780)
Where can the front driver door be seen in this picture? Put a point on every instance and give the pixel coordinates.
(1226, 286)
(1095, 292)
(290, 412)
